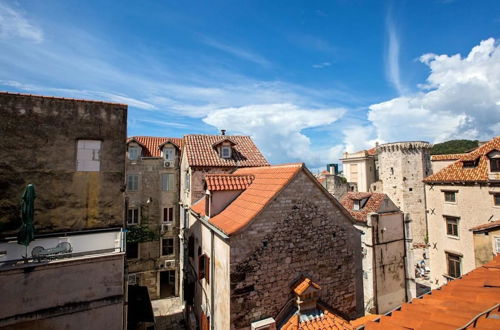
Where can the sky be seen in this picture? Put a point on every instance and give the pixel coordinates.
(308, 80)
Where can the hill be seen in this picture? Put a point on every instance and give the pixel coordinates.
(454, 147)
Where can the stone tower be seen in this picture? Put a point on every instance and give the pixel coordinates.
(402, 167)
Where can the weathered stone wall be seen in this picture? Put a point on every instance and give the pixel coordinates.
(39, 143)
(336, 185)
(150, 260)
(301, 232)
(402, 167)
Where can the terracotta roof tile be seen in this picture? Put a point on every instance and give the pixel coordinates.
(200, 151)
(217, 182)
(492, 224)
(268, 181)
(453, 305)
(151, 144)
(372, 205)
(199, 207)
(327, 320)
(303, 284)
(372, 151)
(446, 157)
(456, 172)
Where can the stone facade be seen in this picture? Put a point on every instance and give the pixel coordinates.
(40, 137)
(336, 184)
(151, 199)
(301, 232)
(402, 167)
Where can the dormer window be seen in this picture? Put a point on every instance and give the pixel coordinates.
(169, 153)
(470, 163)
(225, 152)
(356, 205)
(133, 153)
(495, 164)
(359, 204)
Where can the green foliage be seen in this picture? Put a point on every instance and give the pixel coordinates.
(454, 147)
(140, 234)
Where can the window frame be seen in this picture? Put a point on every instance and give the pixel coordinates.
(456, 259)
(169, 185)
(172, 239)
(204, 268)
(138, 155)
(229, 152)
(495, 197)
(497, 244)
(448, 221)
(447, 193)
(88, 155)
(494, 164)
(130, 184)
(170, 215)
(136, 216)
(165, 153)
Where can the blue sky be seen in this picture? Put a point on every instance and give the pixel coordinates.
(306, 79)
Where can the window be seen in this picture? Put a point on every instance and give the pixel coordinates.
(168, 214)
(169, 153)
(88, 155)
(453, 261)
(187, 181)
(497, 244)
(167, 246)
(132, 250)
(133, 153)
(496, 199)
(133, 182)
(133, 216)
(167, 182)
(204, 267)
(354, 172)
(225, 152)
(495, 164)
(449, 196)
(356, 205)
(452, 226)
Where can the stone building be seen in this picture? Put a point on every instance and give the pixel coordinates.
(336, 184)
(388, 278)
(152, 192)
(486, 242)
(360, 169)
(258, 231)
(72, 273)
(461, 196)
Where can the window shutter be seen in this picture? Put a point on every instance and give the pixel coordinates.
(207, 269)
(200, 267)
(170, 214)
(170, 182)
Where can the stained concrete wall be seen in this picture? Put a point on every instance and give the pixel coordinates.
(474, 206)
(150, 261)
(39, 144)
(57, 294)
(301, 232)
(484, 245)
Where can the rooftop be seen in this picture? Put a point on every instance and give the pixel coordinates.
(151, 144)
(469, 302)
(217, 182)
(201, 151)
(373, 203)
(456, 172)
(446, 157)
(303, 284)
(485, 226)
(61, 98)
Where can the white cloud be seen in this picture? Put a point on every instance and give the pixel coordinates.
(277, 129)
(460, 100)
(392, 56)
(13, 24)
(322, 65)
(238, 52)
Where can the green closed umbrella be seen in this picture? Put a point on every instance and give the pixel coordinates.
(27, 232)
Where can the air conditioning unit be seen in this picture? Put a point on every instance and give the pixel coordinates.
(132, 279)
(169, 263)
(168, 163)
(266, 324)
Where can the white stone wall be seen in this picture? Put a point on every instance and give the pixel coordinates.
(474, 206)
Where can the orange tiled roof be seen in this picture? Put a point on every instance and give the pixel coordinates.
(151, 144)
(228, 181)
(457, 173)
(303, 284)
(488, 225)
(372, 205)
(446, 157)
(199, 206)
(372, 151)
(200, 151)
(327, 320)
(452, 306)
(267, 182)
(363, 319)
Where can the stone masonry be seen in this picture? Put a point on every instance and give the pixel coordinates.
(301, 232)
(402, 167)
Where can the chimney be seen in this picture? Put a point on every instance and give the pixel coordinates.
(223, 131)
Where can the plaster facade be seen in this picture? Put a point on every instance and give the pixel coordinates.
(486, 245)
(473, 206)
(359, 168)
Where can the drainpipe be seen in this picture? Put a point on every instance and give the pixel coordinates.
(405, 259)
(374, 261)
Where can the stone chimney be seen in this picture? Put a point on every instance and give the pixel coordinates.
(223, 132)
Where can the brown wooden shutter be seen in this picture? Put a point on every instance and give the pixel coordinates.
(165, 214)
(200, 267)
(204, 322)
(170, 214)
